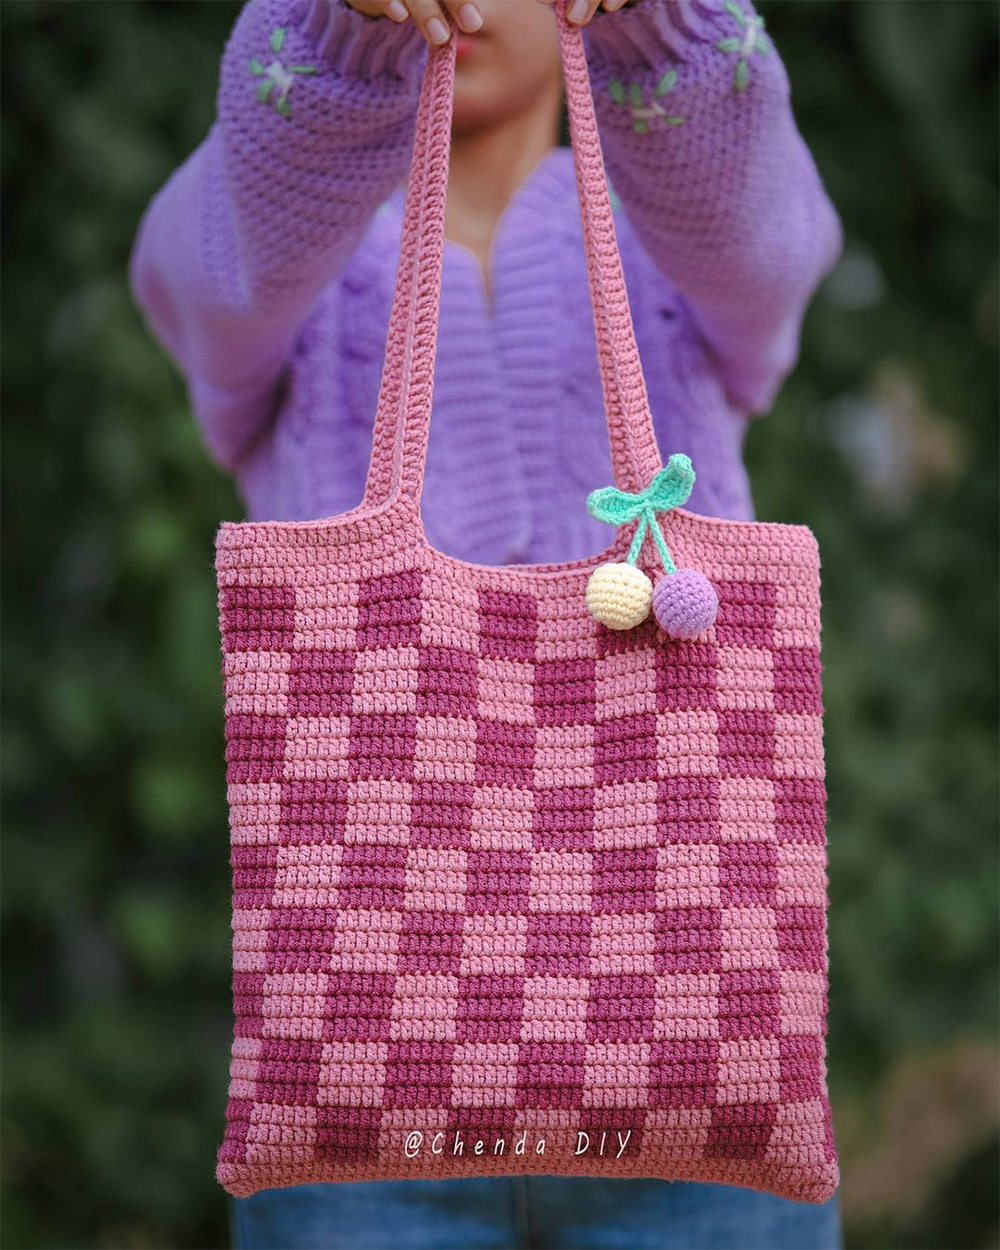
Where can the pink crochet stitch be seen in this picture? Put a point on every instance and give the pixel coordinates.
(499, 870)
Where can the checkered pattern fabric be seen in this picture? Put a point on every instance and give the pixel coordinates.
(500, 869)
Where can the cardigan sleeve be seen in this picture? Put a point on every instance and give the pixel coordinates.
(314, 128)
(702, 149)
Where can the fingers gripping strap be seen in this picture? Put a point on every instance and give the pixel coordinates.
(402, 422)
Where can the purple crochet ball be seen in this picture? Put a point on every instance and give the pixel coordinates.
(685, 603)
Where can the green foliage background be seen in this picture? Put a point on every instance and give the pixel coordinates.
(116, 1024)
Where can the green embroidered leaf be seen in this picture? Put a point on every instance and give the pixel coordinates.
(283, 107)
(729, 45)
(671, 487)
(675, 121)
(742, 75)
(666, 83)
(256, 68)
(616, 91)
(733, 8)
(278, 39)
(264, 89)
(641, 126)
(763, 45)
(616, 507)
(302, 69)
(635, 94)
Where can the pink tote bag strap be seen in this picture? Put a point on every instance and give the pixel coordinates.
(421, 251)
(402, 421)
(634, 453)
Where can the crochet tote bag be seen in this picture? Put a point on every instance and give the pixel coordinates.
(514, 890)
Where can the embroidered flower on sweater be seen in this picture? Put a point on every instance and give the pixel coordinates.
(744, 46)
(634, 95)
(276, 75)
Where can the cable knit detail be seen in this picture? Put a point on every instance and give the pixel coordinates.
(266, 264)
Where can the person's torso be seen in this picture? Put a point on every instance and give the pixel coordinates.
(518, 438)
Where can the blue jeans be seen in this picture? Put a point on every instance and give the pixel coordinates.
(530, 1213)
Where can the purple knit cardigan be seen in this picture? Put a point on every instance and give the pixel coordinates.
(266, 263)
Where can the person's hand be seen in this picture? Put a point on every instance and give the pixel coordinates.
(579, 12)
(429, 15)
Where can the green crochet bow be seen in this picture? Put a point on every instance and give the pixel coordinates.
(670, 488)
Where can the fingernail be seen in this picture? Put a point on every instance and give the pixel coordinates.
(437, 32)
(397, 10)
(612, 6)
(577, 11)
(469, 18)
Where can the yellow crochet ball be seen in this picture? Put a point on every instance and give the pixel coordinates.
(619, 595)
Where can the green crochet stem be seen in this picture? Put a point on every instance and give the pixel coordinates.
(670, 488)
(648, 521)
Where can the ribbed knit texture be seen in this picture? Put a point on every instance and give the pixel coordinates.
(501, 870)
(266, 266)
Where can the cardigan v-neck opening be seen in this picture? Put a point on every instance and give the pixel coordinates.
(537, 186)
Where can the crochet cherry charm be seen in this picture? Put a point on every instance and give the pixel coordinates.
(685, 603)
(619, 595)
